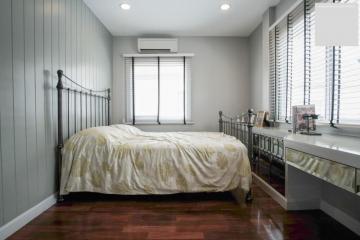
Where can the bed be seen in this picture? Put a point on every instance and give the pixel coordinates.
(121, 159)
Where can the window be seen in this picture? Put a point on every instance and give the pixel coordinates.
(320, 73)
(347, 84)
(297, 56)
(347, 105)
(158, 89)
(328, 77)
(281, 69)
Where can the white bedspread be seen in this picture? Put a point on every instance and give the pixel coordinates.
(122, 159)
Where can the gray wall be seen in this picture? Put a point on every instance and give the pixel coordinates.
(220, 79)
(259, 66)
(256, 67)
(282, 8)
(37, 38)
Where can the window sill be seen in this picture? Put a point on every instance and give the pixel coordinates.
(165, 123)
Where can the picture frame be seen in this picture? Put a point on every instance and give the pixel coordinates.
(260, 119)
(298, 121)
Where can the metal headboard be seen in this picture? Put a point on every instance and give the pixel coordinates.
(83, 108)
(240, 127)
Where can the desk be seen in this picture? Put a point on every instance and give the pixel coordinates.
(321, 172)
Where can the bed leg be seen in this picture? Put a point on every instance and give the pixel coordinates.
(60, 198)
(248, 197)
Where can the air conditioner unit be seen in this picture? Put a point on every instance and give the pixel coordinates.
(158, 45)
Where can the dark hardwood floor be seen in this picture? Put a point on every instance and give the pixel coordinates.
(275, 180)
(183, 216)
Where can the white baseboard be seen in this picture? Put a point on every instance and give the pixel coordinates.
(303, 205)
(341, 217)
(270, 190)
(14, 225)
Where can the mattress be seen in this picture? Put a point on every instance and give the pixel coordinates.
(121, 159)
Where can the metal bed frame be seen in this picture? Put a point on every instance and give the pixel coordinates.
(240, 127)
(260, 147)
(94, 110)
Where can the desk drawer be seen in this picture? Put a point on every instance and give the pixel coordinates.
(335, 173)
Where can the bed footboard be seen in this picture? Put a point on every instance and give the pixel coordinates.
(240, 127)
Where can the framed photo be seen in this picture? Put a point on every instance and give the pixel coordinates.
(260, 119)
(299, 124)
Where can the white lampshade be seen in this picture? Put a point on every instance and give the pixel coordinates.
(336, 24)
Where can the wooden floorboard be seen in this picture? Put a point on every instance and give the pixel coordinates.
(213, 216)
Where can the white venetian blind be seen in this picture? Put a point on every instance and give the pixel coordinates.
(146, 89)
(272, 74)
(158, 89)
(172, 79)
(320, 71)
(281, 69)
(347, 104)
(328, 77)
(297, 38)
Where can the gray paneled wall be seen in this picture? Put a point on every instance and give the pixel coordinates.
(38, 37)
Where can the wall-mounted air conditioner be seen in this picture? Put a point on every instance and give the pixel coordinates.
(158, 45)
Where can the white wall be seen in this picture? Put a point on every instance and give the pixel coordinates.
(220, 79)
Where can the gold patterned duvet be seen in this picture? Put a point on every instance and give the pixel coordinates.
(122, 159)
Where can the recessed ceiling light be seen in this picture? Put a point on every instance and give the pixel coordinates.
(125, 6)
(225, 7)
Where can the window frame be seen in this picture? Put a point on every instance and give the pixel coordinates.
(186, 59)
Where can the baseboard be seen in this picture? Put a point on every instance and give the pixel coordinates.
(14, 225)
(270, 190)
(303, 205)
(341, 217)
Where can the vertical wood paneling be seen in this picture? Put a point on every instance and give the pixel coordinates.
(55, 66)
(48, 94)
(19, 105)
(1, 182)
(40, 95)
(68, 60)
(7, 112)
(62, 43)
(73, 59)
(31, 147)
(38, 37)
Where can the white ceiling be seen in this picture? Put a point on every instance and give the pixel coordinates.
(180, 17)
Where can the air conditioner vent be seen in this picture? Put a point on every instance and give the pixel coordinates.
(151, 45)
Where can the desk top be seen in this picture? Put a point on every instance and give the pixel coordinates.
(342, 149)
